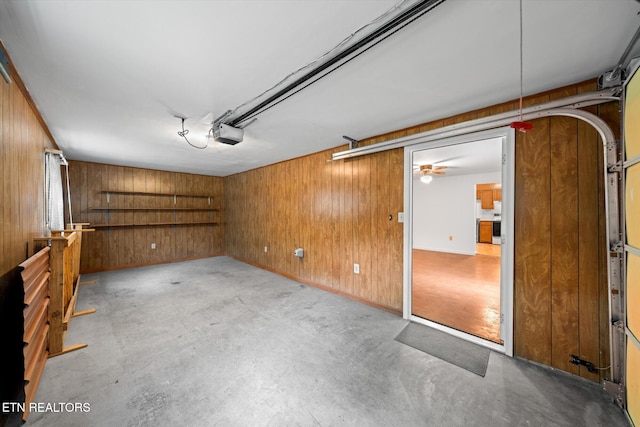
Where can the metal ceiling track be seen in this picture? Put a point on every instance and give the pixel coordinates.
(333, 63)
(485, 123)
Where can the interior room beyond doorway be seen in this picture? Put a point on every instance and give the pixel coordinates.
(456, 251)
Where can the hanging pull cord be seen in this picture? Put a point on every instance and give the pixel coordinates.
(183, 133)
(522, 126)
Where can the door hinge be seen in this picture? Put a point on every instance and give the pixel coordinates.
(504, 159)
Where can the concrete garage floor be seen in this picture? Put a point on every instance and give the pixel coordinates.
(218, 342)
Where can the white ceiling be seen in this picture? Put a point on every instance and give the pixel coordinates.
(474, 157)
(109, 77)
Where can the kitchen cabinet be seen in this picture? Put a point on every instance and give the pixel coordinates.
(486, 199)
(488, 193)
(485, 232)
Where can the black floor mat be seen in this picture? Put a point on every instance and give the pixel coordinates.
(457, 351)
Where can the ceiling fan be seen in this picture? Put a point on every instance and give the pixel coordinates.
(432, 170)
(428, 171)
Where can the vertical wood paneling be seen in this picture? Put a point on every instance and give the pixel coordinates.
(336, 191)
(126, 249)
(383, 288)
(140, 242)
(115, 217)
(589, 172)
(347, 227)
(532, 276)
(363, 191)
(118, 247)
(564, 241)
(337, 211)
(396, 205)
(22, 143)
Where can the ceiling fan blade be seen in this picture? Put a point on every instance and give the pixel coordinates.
(437, 173)
(435, 168)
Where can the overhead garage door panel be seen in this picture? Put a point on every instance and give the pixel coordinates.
(632, 242)
(633, 205)
(633, 293)
(633, 380)
(631, 123)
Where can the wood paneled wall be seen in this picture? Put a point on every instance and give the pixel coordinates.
(338, 212)
(22, 143)
(119, 247)
(561, 295)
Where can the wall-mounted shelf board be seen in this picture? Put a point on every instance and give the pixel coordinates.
(153, 224)
(107, 208)
(153, 193)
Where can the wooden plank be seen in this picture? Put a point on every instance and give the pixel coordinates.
(384, 220)
(56, 295)
(564, 242)
(305, 204)
(322, 223)
(362, 187)
(69, 349)
(125, 246)
(532, 276)
(182, 235)
(396, 205)
(337, 188)
(84, 312)
(116, 235)
(151, 184)
(346, 227)
(165, 236)
(589, 173)
(140, 242)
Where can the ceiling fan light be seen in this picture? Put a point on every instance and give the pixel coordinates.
(426, 178)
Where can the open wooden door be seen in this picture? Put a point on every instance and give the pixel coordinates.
(632, 243)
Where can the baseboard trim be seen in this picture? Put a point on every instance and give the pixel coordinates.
(319, 286)
(147, 264)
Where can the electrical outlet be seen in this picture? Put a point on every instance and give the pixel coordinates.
(153, 246)
(400, 216)
(266, 249)
(356, 268)
(450, 237)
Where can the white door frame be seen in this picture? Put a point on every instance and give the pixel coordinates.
(506, 266)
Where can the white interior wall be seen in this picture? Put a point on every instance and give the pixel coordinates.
(446, 207)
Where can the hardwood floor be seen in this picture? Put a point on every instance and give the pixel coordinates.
(459, 291)
(488, 249)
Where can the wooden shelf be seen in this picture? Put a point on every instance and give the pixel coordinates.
(153, 224)
(153, 193)
(107, 208)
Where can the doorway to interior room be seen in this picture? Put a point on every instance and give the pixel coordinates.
(460, 257)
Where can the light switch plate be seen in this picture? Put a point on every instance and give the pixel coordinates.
(400, 216)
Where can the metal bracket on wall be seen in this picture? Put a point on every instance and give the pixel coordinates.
(615, 168)
(615, 390)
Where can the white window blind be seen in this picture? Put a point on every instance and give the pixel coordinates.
(54, 214)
